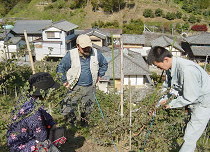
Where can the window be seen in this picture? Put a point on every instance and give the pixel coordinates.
(53, 35)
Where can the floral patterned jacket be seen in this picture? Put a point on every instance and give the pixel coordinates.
(29, 125)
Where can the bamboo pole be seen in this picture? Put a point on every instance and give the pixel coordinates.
(29, 51)
(206, 61)
(122, 77)
(130, 118)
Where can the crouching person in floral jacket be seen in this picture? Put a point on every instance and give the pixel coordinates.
(29, 129)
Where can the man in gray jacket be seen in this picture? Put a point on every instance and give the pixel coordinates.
(80, 70)
(193, 86)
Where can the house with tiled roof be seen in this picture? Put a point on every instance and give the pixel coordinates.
(169, 44)
(32, 27)
(5, 35)
(98, 37)
(101, 38)
(135, 43)
(197, 46)
(14, 45)
(133, 40)
(137, 72)
(56, 39)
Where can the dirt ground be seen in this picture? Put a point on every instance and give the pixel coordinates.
(81, 144)
(76, 142)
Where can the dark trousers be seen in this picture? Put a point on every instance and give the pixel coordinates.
(78, 103)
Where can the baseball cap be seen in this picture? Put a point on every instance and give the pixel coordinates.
(84, 41)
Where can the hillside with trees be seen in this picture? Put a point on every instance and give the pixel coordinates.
(179, 14)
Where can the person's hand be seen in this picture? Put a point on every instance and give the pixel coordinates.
(152, 112)
(98, 79)
(167, 106)
(163, 102)
(66, 84)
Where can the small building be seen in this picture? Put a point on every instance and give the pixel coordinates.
(135, 69)
(5, 35)
(197, 46)
(169, 44)
(102, 37)
(56, 40)
(32, 27)
(133, 41)
(98, 37)
(15, 44)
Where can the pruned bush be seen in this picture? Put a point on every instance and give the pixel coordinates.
(170, 15)
(133, 27)
(101, 24)
(158, 12)
(178, 15)
(192, 19)
(148, 13)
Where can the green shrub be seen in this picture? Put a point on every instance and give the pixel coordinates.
(133, 27)
(148, 13)
(161, 132)
(192, 19)
(170, 16)
(158, 12)
(178, 15)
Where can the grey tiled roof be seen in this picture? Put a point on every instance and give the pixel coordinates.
(14, 40)
(3, 33)
(111, 31)
(133, 64)
(202, 38)
(31, 26)
(64, 25)
(78, 32)
(102, 49)
(98, 33)
(200, 50)
(133, 39)
(107, 32)
(164, 41)
(150, 36)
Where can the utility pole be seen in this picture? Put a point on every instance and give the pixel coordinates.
(122, 77)
(113, 74)
(29, 52)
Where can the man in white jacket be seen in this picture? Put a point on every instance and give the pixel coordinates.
(193, 86)
(80, 70)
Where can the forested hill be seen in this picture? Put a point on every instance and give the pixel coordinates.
(111, 13)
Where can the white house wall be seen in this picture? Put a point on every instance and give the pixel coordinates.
(12, 48)
(174, 51)
(2, 51)
(60, 35)
(32, 38)
(134, 80)
(52, 47)
(49, 49)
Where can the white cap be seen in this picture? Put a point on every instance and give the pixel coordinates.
(84, 41)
